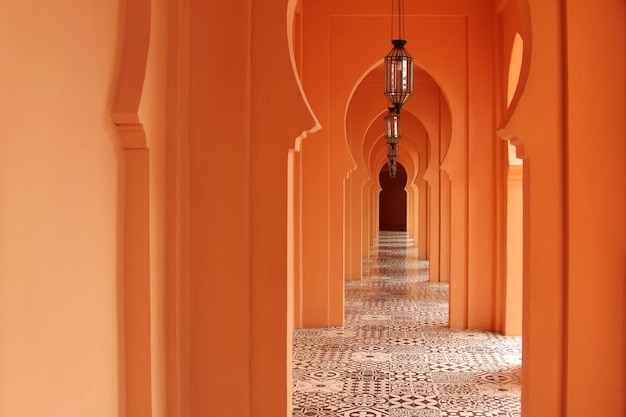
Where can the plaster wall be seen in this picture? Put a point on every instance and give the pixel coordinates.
(566, 341)
(59, 220)
(239, 280)
(595, 221)
(362, 121)
(64, 203)
(330, 83)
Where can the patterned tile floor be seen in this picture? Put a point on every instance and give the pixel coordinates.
(396, 357)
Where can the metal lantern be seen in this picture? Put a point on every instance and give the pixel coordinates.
(398, 74)
(398, 62)
(392, 151)
(393, 129)
(393, 168)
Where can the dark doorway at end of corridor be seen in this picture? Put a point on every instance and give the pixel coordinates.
(392, 200)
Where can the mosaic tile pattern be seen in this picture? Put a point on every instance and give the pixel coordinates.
(396, 357)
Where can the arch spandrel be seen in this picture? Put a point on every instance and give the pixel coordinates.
(293, 7)
(427, 113)
(517, 15)
(368, 38)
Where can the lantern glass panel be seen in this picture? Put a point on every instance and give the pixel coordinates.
(392, 151)
(398, 74)
(393, 126)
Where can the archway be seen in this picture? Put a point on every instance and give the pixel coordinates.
(392, 200)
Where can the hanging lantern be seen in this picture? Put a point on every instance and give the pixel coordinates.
(398, 65)
(398, 74)
(393, 167)
(392, 124)
(392, 151)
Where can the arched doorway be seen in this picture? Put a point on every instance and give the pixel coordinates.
(392, 199)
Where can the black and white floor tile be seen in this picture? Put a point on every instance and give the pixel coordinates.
(396, 357)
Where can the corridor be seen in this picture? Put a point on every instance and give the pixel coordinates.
(396, 357)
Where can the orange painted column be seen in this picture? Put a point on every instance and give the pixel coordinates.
(354, 218)
(239, 289)
(315, 232)
(595, 184)
(482, 142)
(343, 78)
(337, 223)
(348, 223)
(272, 75)
(368, 204)
(445, 237)
(422, 218)
(432, 219)
(426, 105)
(431, 108)
(374, 220)
(315, 176)
(177, 319)
(365, 210)
(137, 363)
(454, 87)
(153, 113)
(295, 174)
(357, 232)
(509, 179)
(364, 126)
(137, 335)
(296, 219)
(412, 209)
(455, 166)
(536, 127)
(219, 300)
(444, 230)
(514, 253)
(458, 251)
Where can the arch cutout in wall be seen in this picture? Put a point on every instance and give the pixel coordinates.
(516, 59)
(428, 111)
(393, 199)
(519, 56)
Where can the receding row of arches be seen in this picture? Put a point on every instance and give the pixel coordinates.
(183, 182)
(426, 134)
(247, 195)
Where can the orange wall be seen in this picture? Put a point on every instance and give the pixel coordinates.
(544, 275)
(62, 189)
(330, 83)
(59, 224)
(214, 267)
(574, 225)
(596, 216)
(481, 171)
(509, 180)
(239, 326)
(363, 126)
(322, 228)
(512, 323)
